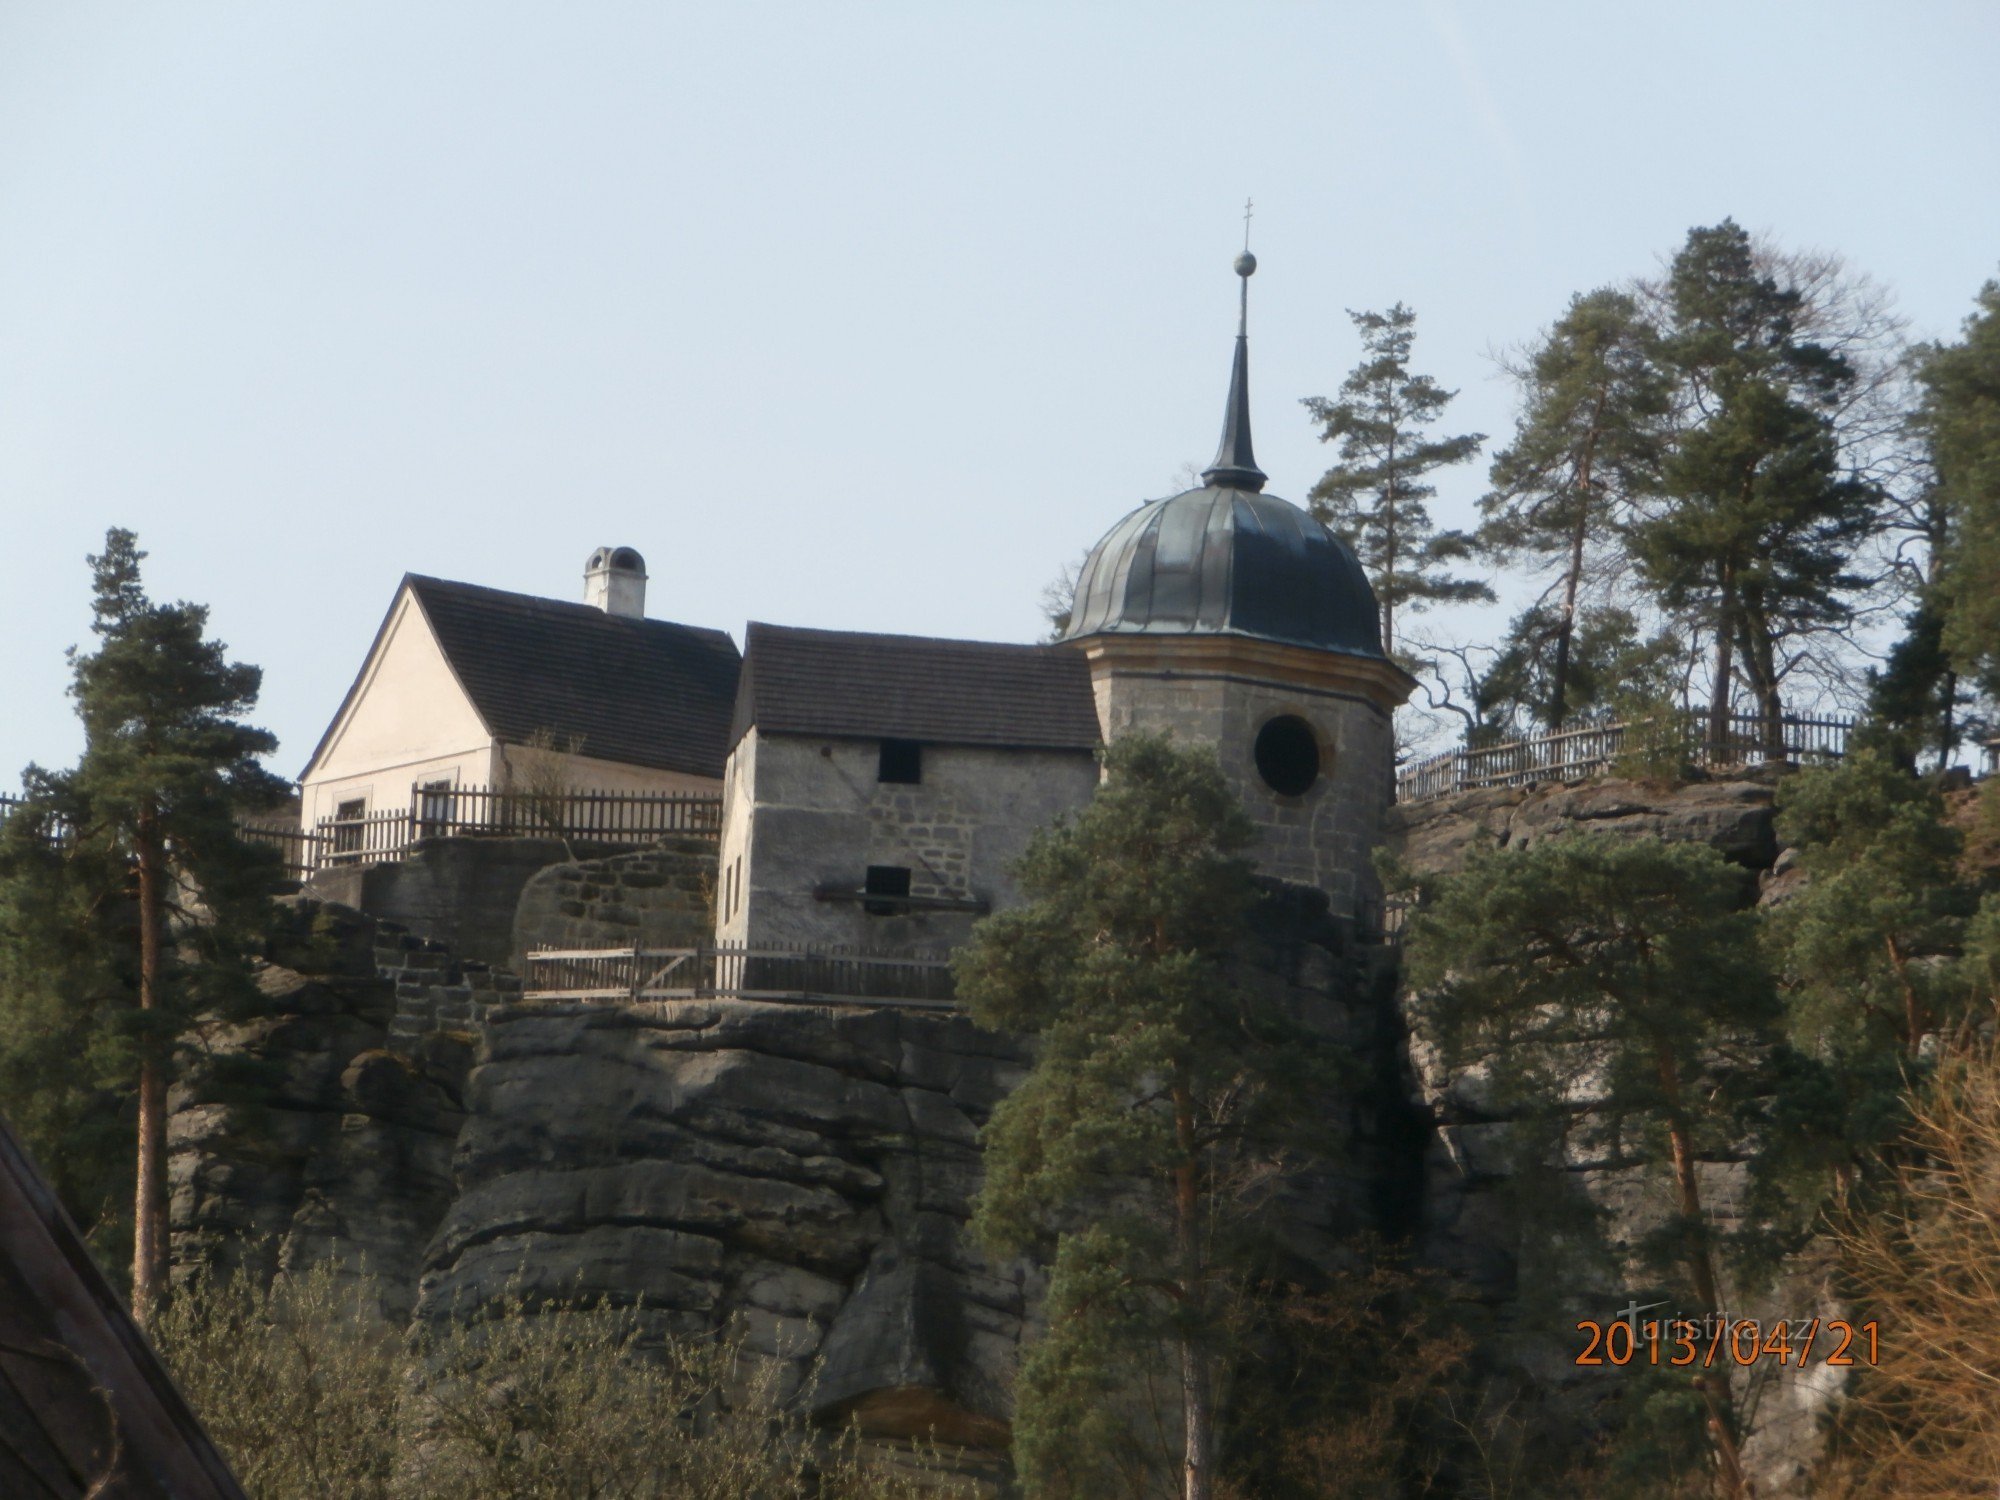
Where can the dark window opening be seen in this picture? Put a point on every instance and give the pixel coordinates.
(885, 880)
(902, 761)
(1288, 756)
(434, 809)
(348, 818)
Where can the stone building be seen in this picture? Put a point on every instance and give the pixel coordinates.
(876, 788)
(1227, 617)
(880, 787)
(642, 1121)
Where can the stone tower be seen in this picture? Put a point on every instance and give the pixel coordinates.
(1228, 617)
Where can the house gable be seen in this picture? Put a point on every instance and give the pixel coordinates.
(406, 706)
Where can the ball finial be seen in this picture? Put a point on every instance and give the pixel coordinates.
(1245, 263)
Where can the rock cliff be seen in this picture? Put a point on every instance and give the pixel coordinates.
(1476, 1222)
(800, 1173)
(805, 1173)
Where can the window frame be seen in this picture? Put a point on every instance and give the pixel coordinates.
(881, 880)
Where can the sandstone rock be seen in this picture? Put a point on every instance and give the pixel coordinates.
(1733, 816)
(799, 1175)
(620, 1263)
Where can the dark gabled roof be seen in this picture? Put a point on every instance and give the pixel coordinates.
(842, 683)
(640, 692)
(86, 1408)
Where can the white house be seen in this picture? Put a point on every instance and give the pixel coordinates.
(470, 687)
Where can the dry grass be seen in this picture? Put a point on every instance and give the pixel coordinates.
(311, 1398)
(1926, 1422)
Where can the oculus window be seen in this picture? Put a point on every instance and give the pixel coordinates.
(1287, 755)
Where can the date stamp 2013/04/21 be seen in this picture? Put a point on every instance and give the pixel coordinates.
(1712, 1340)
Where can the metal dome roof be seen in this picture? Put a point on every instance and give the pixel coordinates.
(1227, 561)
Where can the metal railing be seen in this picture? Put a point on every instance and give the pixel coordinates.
(1592, 749)
(741, 972)
(1381, 920)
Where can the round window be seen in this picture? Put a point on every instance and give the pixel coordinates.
(1288, 755)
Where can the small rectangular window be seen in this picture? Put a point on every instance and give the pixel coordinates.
(434, 809)
(902, 761)
(886, 880)
(348, 818)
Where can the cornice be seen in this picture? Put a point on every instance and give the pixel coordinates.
(1374, 678)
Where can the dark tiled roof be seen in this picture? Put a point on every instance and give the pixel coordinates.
(912, 687)
(86, 1408)
(1222, 561)
(643, 692)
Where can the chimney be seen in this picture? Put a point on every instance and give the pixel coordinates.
(614, 580)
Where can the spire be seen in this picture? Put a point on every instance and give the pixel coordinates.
(1235, 466)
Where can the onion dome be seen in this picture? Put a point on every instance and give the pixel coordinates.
(1227, 559)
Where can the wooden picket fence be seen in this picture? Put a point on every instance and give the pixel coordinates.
(741, 971)
(10, 805)
(1591, 749)
(617, 819)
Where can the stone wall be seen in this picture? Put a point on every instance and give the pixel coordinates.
(490, 899)
(1321, 838)
(661, 897)
(818, 817)
(460, 892)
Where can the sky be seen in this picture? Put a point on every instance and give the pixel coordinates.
(856, 316)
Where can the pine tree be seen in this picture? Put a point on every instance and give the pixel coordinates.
(1961, 419)
(1760, 523)
(1883, 904)
(1624, 972)
(1589, 440)
(1870, 953)
(65, 983)
(1917, 701)
(1609, 662)
(1376, 498)
(144, 891)
(1157, 1084)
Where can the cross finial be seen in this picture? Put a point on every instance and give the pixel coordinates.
(1234, 466)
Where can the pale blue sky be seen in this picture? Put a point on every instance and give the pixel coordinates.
(866, 316)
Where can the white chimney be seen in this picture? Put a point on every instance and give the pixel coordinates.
(614, 580)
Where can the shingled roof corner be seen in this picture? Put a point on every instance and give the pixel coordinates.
(638, 691)
(855, 685)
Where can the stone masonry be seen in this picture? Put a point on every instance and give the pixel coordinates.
(661, 897)
(1321, 838)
